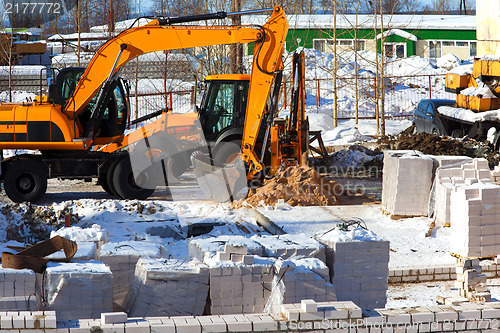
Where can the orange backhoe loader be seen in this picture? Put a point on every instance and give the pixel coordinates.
(79, 127)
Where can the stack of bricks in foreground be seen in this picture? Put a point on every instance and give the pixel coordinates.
(17, 289)
(121, 258)
(359, 266)
(77, 289)
(449, 177)
(406, 182)
(304, 278)
(470, 282)
(335, 317)
(168, 287)
(475, 220)
(239, 283)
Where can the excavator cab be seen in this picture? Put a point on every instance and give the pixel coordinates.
(115, 115)
(222, 110)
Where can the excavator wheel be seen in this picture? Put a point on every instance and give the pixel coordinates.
(124, 182)
(105, 180)
(228, 151)
(25, 180)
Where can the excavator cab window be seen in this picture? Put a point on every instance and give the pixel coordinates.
(223, 107)
(65, 84)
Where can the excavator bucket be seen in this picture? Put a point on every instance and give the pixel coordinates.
(220, 182)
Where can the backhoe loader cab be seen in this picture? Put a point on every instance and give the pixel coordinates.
(116, 112)
(222, 110)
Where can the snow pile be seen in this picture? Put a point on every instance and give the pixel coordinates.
(168, 288)
(355, 158)
(358, 262)
(469, 115)
(355, 235)
(482, 91)
(78, 289)
(465, 69)
(448, 61)
(296, 186)
(77, 234)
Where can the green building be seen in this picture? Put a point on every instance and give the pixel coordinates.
(428, 36)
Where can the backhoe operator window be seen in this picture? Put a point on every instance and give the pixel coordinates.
(69, 84)
(219, 109)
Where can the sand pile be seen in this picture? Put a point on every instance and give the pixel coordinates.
(297, 186)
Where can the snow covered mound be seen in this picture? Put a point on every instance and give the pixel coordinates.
(448, 61)
(356, 235)
(355, 158)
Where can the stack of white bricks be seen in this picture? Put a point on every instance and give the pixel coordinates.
(288, 245)
(470, 282)
(359, 266)
(77, 289)
(305, 278)
(406, 182)
(310, 310)
(239, 283)
(475, 220)
(168, 287)
(15, 320)
(17, 289)
(207, 248)
(449, 178)
(121, 258)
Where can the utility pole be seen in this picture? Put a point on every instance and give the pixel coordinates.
(111, 20)
(236, 49)
(463, 5)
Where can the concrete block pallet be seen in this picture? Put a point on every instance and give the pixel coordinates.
(77, 289)
(449, 177)
(239, 283)
(169, 286)
(350, 254)
(121, 258)
(406, 182)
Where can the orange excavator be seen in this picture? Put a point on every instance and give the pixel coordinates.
(79, 127)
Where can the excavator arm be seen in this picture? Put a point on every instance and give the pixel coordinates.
(158, 35)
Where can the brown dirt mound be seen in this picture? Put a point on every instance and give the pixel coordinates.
(297, 186)
(440, 145)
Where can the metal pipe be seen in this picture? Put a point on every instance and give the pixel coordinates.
(209, 16)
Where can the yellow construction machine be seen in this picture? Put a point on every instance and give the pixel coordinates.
(79, 127)
(476, 112)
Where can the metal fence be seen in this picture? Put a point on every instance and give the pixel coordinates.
(402, 94)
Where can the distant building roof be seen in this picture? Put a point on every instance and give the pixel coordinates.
(413, 22)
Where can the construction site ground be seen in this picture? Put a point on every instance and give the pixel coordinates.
(413, 243)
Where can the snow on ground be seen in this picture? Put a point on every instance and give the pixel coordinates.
(409, 246)
(424, 294)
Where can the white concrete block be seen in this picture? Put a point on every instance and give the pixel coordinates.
(113, 317)
(309, 305)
